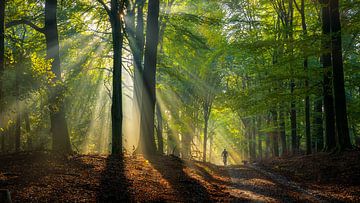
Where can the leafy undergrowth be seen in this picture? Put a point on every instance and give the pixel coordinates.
(335, 175)
(42, 177)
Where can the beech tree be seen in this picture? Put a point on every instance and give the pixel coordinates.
(148, 92)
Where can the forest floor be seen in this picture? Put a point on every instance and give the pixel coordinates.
(41, 177)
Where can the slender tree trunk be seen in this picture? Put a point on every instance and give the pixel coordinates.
(28, 130)
(274, 134)
(329, 113)
(138, 54)
(293, 123)
(267, 145)
(206, 120)
(116, 107)
(318, 125)
(18, 113)
(293, 116)
(148, 93)
(282, 131)
(260, 147)
(136, 42)
(253, 139)
(211, 146)
(2, 142)
(260, 151)
(17, 131)
(59, 129)
(159, 131)
(2, 66)
(338, 78)
(307, 97)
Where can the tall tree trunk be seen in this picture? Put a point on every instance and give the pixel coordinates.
(307, 97)
(318, 125)
(18, 113)
(138, 53)
(293, 116)
(136, 40)
(294, 137)
(148, 92)
(116, 107)
(260, 151)
(59, 129)
(17, 130)
(206, 122)
(338, 78)
(2, 142)
(267, 145)
(274, 134)
(28, 130)
(329, 113)
(2, 66)
(260, 147)
(159, 131)
(253, 140)
(282, 131)
(211, 147)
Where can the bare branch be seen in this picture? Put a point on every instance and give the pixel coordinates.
(107, 9)
(25, 22)
(297, 7)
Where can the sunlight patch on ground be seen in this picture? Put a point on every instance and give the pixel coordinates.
(259, 182)
(249, 194)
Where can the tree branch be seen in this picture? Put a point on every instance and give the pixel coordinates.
(298, 8)
(107, 9)
(25, 22)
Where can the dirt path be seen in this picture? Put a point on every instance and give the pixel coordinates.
(250, 184)
(85, 178)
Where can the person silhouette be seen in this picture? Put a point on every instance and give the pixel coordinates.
(224, 155)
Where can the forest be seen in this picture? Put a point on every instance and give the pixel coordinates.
(179, 101)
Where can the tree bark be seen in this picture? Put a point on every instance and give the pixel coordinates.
(282, 131)
(149, 74)
(307, 97)
(59, 129)
(206, 121)
(274, 134)
(318, 125)
(293, 116)
(260, 150)
(159, 131)
(267, 145)
(116, 107)
(342, 125)
(253, 139)
(329, 113)
(138, 54)
(2, 66)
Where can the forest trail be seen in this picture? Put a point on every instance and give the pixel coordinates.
(41, 177)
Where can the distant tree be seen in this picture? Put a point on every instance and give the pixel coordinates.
(329, 113)
(115, 12)
(59, 129)
(2, 64)
(301, 10)
(148, 92)
(342, 126)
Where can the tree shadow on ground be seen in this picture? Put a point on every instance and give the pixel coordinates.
(114, 186)
(46, 177)
(239, 175)
(187, 189)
